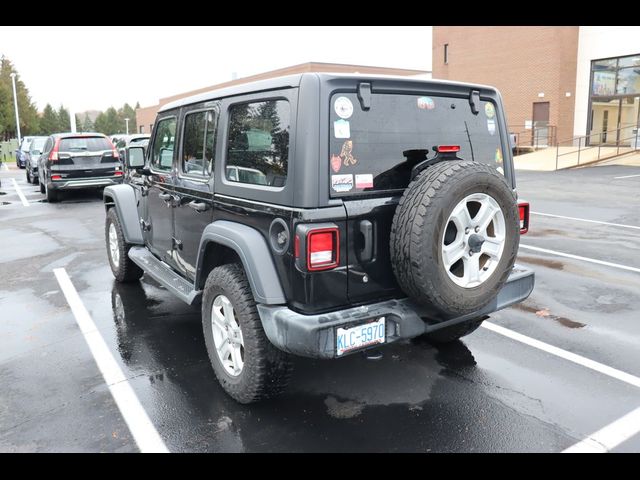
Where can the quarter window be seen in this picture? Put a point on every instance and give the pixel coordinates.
(198, 148)
(163, 144)
(258, 143)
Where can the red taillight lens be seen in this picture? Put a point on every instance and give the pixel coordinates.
(56, 177)
(53, 156)
(448, 148)
(296, 247)
(118, 173)
(323, 249)
(523, 209)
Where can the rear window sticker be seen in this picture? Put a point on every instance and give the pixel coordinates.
(426, 103)
(347, 155)
(343, 107)
(498, 156)
(489, 110)
(336, 163)
(342, 183)
(491, 126)
(341, 129)
(364, 180)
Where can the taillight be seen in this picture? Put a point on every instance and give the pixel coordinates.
(114, 150)
(523, 210)
(323, 249)
(117, 173)
(53, 156)
(56, 177)
(448, 148)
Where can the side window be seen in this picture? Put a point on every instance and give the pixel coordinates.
(258, 143)
(198, 147)
(163, 144)
(47, 146)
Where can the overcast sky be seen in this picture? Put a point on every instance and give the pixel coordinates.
(95, 67)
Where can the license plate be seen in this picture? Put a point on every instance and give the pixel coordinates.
(364, 335)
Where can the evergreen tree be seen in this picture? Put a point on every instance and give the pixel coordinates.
(87, 125)
(49, 121)
(29, 121)
(64, 122)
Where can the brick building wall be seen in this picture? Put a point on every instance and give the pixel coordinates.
(521, 62)
(147, 115)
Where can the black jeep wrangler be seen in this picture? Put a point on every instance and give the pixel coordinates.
(321, 215)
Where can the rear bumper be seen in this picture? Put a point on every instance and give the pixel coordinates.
(69, 184)
(315, 335)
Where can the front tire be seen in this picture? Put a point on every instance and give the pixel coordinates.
(123, 268)
(248, 367)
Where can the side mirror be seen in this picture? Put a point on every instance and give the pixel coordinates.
(135, 158)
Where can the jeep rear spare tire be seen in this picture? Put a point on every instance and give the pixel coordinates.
(455, 236)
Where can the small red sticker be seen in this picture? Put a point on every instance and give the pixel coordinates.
(336, 163)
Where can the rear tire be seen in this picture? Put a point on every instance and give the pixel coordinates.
(264, 371)
(42, 189)
(453, 333)
(53, 196)
(123, 268)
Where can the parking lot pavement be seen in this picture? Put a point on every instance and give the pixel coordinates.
(489, 392)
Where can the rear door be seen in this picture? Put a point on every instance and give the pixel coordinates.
(372, 153)
(194, 185)
(159, 196)
(86, 157)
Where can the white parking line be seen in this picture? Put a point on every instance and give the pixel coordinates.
(626, 176)
(572, 357)
(586, 220)
(613, 434)
(609, 437)
(144, 433)
(578, 257)
(23, 199)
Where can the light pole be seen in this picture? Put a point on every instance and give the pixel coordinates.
(15, 103)
(126, 122)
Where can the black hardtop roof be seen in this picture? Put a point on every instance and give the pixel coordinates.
(289, 81)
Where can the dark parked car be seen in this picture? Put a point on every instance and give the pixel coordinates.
(321, 215)
(33, 156)
(21, 152)
(77, 160)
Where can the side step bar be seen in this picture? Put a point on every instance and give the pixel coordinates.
(162, 273)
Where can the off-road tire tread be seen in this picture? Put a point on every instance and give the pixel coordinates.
(413, 210)
(267, 370)
(127, 271)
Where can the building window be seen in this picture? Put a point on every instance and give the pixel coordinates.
(614, 100)
(446, 53)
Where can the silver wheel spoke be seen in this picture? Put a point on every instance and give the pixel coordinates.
(472, 269)
(227, 335)
(485, 215)
(452, 253)
(492, 247)
(460, 216)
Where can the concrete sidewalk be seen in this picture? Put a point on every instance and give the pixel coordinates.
(545, 160)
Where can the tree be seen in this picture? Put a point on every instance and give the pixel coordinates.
(64, 122)
(49, 121)
(87, 125)
(29, 121)
(108, 122)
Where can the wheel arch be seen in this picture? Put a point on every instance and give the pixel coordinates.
(225, 242)
(123, 199)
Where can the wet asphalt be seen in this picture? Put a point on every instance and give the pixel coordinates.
(486, 393)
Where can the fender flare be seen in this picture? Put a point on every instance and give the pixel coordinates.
(123, 199)
(254, 253)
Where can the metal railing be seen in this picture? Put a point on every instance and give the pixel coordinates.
(585, 149)
(534, 138)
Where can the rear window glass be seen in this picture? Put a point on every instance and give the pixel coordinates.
(26, 144)
(37, 144)
(375, 150)
(84, 144)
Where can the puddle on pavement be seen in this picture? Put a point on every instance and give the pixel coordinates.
(542, 262)
(3, 193)
(5, 203)
(544, 313)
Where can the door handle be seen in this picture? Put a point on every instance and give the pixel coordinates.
(198, 206)
(366, 229)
